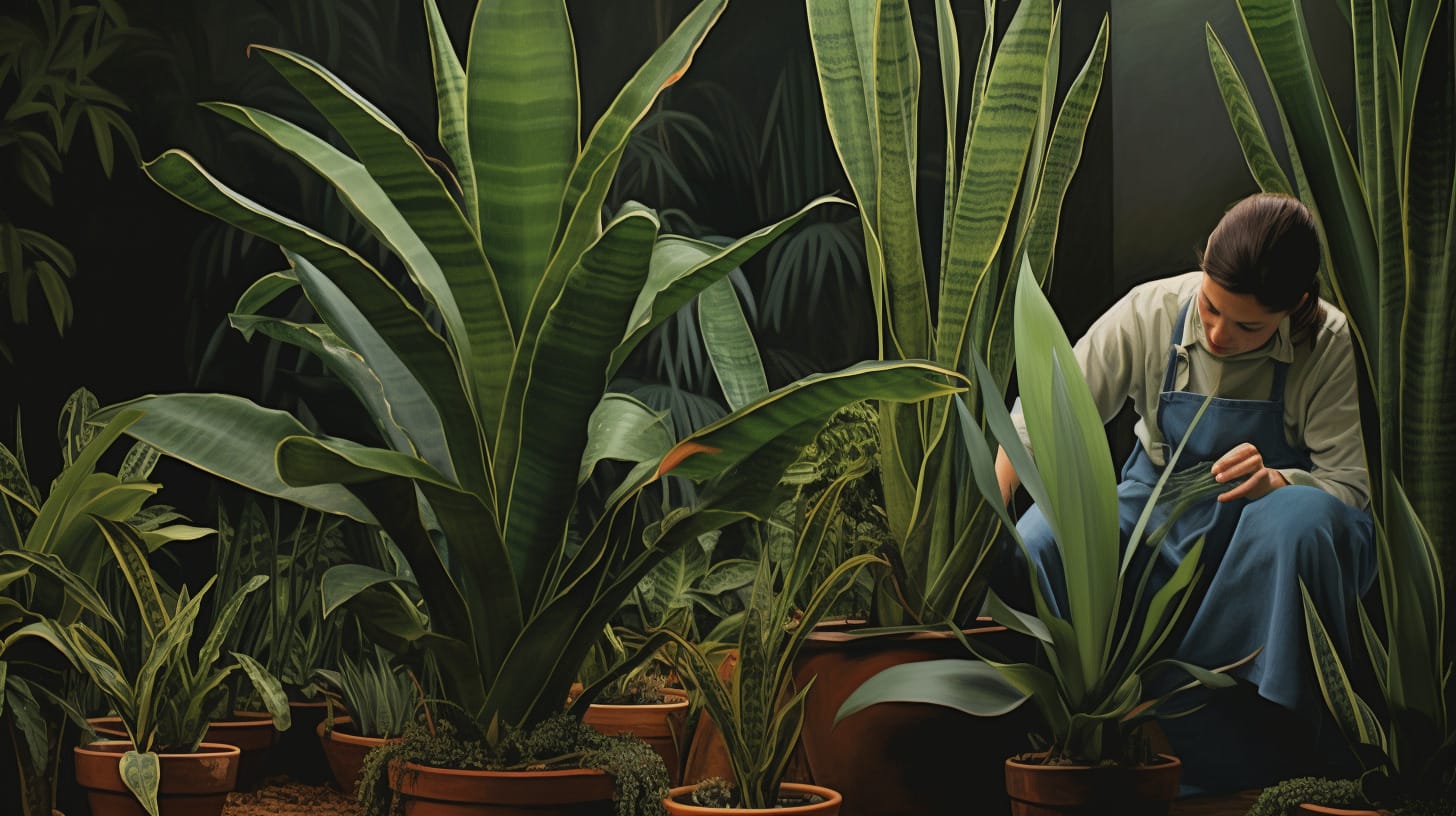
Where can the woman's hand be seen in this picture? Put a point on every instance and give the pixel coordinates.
(1245, 460)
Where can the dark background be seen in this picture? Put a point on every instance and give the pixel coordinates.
(156, 279)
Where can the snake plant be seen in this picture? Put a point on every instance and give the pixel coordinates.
(1003, 186)
(483, 369)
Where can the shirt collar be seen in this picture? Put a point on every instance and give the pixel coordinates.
(1279, 347)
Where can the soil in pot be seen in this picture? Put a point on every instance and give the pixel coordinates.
(795, 799)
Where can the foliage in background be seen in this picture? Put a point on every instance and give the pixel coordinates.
(283, 627)
(940, 296)
(54, 558)
(1386, 206)
(380, 696)
(48, 90)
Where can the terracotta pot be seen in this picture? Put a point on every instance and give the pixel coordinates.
(828, 807)
(191, 784)
(254, 735)
(889, 759)
(447, 792)
(1324, 810)
(661, 725)
(1086, 790)
(345, 751)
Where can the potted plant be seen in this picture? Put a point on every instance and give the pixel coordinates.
(1006, 175)
(753, 700)
(163, 698)
(635, 690)
(488, 415)
(1383, 205)
(54, 555)
(1095, 687)
(284, 628)
(380, 699)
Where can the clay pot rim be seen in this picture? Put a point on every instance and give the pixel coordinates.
(477, 772)
(345, 736)
(679, 700)
(203, 749)
(1331, 810)
(855, 631)
(832, 799)
(1169, 761)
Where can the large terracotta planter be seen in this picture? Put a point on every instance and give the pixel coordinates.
(345, 751)
(891, 759)
(447, 792)
(660, 725)
(254, 735)
(832, 801)
(194, 784)
(1086, 790)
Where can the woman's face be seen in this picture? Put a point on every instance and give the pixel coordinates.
(1233, 323)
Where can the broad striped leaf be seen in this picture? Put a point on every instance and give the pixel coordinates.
(142, 773)
(730, 345)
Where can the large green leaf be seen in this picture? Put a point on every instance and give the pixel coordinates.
(232, 438)
(968, 686)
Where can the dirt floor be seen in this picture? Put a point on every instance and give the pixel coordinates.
(284, 797)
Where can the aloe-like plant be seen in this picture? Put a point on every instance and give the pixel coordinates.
(380, 696)
(1004, 183)
(1093, 689)
(485, 381)
(164, 702)
(1384, 204)
(54, 556)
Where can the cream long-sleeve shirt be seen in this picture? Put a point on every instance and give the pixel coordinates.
(1125, 354)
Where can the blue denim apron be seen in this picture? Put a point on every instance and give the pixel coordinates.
(1254, 554)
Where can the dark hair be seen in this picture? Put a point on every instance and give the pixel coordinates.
(1267, 246)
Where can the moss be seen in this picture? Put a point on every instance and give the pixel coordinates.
(1281, 798)
(638, 772)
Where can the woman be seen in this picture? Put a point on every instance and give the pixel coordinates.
(1283, 432)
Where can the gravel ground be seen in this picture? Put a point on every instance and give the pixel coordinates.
(284, 797)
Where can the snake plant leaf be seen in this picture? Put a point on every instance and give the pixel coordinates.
(435, 240)
(275, 699)
(142, 773)
(522, 143)
(624, 429)
(233, 438)
(342, 361)
(342, 582)
(1352, 713)
(713, 449)
(48, 567)
(1245, 119)
(730, 345)
(968, 686)
(225, 617)
(264, 291)
(131, 559)
(683, 267)
(454, 130)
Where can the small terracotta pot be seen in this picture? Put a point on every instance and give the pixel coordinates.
(660, 725)
(448, 792)
(1086, 790)
(254, 735)
(194, 784)
(345, 751)
(828, 807)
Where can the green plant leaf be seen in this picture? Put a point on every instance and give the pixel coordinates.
(142, 773)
